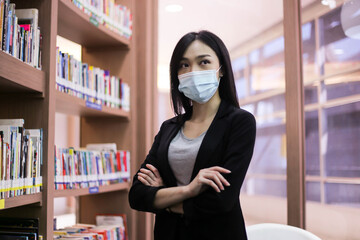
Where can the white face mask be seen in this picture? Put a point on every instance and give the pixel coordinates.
(199, 86)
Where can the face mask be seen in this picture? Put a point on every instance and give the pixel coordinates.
(199, 86)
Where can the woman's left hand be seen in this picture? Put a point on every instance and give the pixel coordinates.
(150, 176)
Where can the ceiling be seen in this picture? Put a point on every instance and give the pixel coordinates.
(234, 21)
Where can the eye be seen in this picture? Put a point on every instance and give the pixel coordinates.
(183, 65)
(204, 62)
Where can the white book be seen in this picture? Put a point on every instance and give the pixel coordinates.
(17, 122)
(101, 147)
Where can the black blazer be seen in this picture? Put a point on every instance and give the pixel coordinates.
(229, 143)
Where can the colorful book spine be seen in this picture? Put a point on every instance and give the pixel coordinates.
(90, 83)
(19, 33)
(20, 159)
(80, 168)
(116, 231)
(116, 17)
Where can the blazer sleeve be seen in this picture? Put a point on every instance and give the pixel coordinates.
(237, 156)
(141, 197)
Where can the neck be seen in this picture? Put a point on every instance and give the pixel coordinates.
(201, 112)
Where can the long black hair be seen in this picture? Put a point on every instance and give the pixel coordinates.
(227, 89)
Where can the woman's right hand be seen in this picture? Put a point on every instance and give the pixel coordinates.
(208, 177)
(150, 177)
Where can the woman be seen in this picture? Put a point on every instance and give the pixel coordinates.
(192, 176)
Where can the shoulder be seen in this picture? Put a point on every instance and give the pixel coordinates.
(169, 123)
(238, 115)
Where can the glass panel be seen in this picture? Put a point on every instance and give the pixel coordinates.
(341, 140)
(256, 186)
(267, 69)
(269, 105)
(343, 85)
(313, 191)
(334, 155)
(310, 68)
(270, 148)
(239, 66)
(342, 194)
(312, 153)
(310, 94)
(341, 47)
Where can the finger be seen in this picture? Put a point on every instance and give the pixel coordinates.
(213, 176)
(222, 179)
(210, 183)
(219, 169)
(146, 177)
(141, 179)
(154, 170)
(149, 173)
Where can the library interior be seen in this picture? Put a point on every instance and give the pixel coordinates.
(86, 85)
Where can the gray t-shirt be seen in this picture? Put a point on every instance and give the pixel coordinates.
(182, 155)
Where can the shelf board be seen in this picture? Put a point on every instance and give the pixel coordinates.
(23, 200)
(75, 25)
(85, 191)
(17, 76)
(68, 104)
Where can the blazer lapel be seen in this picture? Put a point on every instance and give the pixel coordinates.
(212, 138)
(170, 133)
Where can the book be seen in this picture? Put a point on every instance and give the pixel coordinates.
(23, 228)
(20, 159)
(2, 6)
(4, 23)
(90, 83)
(113, 220)
(82, 168)
(115, 17)
(30, 17)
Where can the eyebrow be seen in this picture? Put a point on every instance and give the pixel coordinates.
(198, 57)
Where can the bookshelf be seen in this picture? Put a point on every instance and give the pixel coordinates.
(23, 200)
(29, 93)
(15, 76)
(75, 106)
(85, 191)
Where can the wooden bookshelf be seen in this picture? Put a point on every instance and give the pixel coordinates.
(17, 76)
(125, 58)
(86, 191)
(72, 105)
(23, 200)
(77, 27)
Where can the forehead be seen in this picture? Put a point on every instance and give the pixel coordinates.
(197, 48)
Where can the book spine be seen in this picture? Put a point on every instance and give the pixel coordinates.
(5, 23)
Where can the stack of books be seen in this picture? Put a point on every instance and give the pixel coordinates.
(19, 229)
(108, 227)
(85, 168)
(90, 83)
(116, 17)
(20, 34)
(20, 159)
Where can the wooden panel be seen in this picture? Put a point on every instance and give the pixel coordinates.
(75, 25)
(85, 191)
(17, 76)
(23, 200)
(68, 104)
(146, 49)
(294, 97)
(111, 202)
(116, 131)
